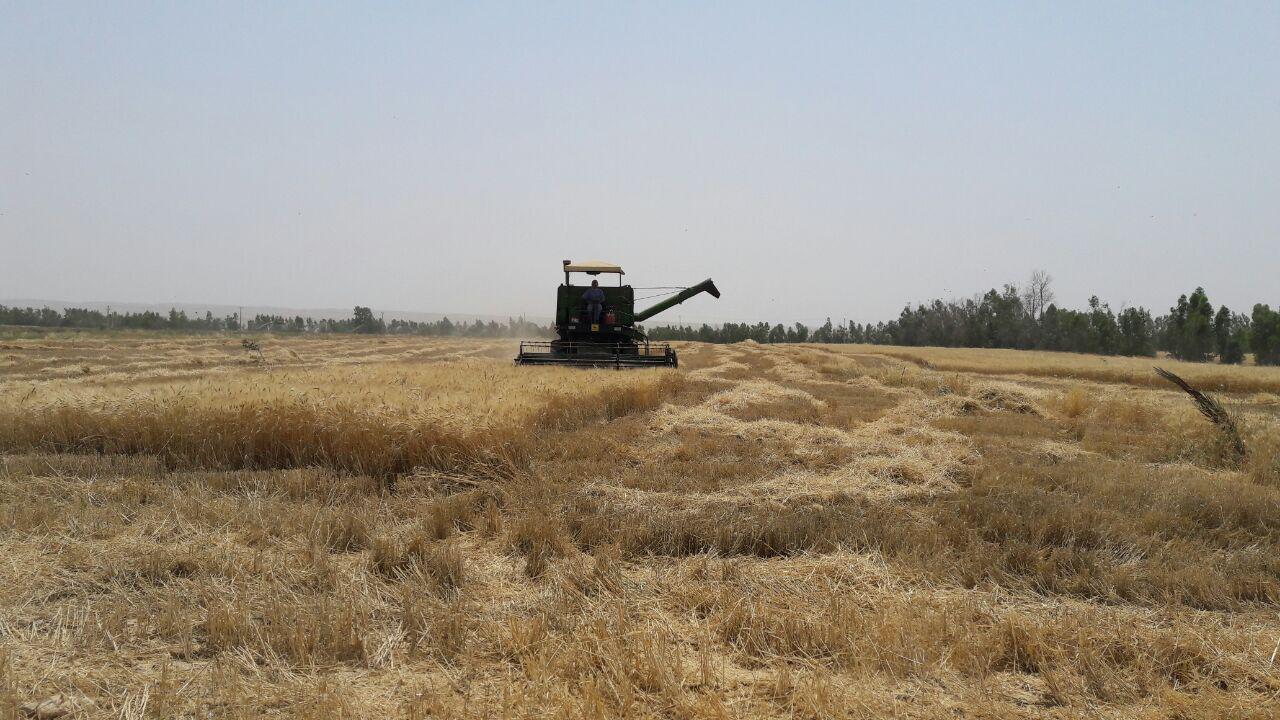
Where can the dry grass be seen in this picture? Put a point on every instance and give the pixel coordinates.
(371, 418)
(407, 528)
(1074, 366)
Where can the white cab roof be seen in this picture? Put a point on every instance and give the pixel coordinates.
(593, 267)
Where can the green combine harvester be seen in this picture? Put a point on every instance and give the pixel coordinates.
(614, 340)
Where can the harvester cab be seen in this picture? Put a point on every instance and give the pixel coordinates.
(607, 336)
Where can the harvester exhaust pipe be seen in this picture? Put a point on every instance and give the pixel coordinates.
(705, 286)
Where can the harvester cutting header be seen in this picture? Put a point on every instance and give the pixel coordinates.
(596, 324)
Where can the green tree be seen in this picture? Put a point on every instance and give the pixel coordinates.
(363, 321)
(1231, 334)
(1137, 332)
(1265, 335)
(1190, 327)
(824, 333)
(1103, 332)
(1222, 331)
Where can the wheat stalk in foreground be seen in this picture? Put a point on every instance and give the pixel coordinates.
(1212, 409)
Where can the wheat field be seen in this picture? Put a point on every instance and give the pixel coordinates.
(385, 527)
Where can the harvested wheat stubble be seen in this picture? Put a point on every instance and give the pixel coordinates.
(787, 532)
(1133, 371)
(376, 420)
(899, 454)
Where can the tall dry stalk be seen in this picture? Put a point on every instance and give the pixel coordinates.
(1212, 409)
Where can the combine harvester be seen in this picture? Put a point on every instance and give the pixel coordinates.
(614, 341)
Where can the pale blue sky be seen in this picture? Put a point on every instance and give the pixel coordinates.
(814, 158)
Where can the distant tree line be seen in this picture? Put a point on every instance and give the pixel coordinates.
(1026, 318)
(1029, 319)
(96, 319)
(362, 320)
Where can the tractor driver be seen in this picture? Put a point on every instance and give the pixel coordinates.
(594, 299)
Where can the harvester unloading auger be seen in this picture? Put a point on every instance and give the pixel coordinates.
(612, 341)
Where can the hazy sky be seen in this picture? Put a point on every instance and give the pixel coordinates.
(813, 158)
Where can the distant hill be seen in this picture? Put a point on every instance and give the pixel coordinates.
(199, 309)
